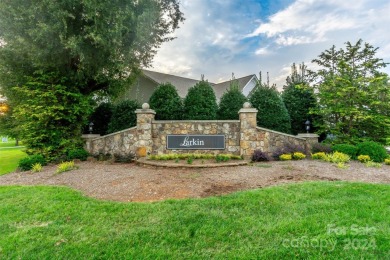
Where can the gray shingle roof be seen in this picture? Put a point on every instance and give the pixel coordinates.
(183, 84)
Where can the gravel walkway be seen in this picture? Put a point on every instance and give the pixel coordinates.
(129, 182)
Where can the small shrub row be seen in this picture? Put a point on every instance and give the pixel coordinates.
(66, 166)
(337, 157)
(364, 158)
(288, 149)
(348, 149)
(318, 156)
(36, 167)
(27, 163)
(387, 161)
(186, 156)
(293, 156)
(375, 151)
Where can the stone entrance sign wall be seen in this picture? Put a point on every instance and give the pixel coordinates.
(242, 136)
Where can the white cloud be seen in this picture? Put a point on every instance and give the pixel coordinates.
(263, 51)
(314, 19)
(219, 38)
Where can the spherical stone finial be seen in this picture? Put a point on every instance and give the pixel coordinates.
(247, 105)
(145, 106)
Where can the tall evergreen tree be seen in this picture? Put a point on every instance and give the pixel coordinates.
(272, 111)
(299, 98)
(166, 102)
(231, 102)
(200, 102)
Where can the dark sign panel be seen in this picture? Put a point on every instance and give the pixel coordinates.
(195, 142)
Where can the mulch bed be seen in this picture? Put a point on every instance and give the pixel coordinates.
(140, 183)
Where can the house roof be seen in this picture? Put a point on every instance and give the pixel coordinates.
(184, 84)
(222, 87)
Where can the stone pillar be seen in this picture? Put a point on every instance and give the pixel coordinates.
(248, 131)
(145, 117)
(311, 139)
(88, 141)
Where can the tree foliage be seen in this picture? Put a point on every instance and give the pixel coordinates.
(166, 102)
(353, 94)
(101, 117)
(299, 98)
(231, 102)
(97, 45)
(272, 111)
(123, 116)
(51, 116)
(200, 102)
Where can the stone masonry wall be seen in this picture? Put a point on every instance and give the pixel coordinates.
(121, 142)
(242, 136)
(231, 130)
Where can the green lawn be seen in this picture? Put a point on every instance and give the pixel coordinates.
(9, 158)
(10, 143)
(321, 220)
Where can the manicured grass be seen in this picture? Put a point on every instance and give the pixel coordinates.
(9, 158)
(283, 222)
(10, 143)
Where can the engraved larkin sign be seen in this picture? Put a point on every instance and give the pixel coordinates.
(195, 142)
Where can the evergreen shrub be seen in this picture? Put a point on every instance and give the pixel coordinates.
(376, 151)
(27, 163)
(166, 102)
(231, 102)
(349, 149)
(200, 102)
(123, 116)
(100, 117)
(78, 153)
(272, 111)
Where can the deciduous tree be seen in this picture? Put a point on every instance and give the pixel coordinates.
(353, 93)
(96, 44)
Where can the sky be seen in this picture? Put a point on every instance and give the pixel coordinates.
(221, 37)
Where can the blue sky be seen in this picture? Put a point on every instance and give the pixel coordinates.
(221, 37)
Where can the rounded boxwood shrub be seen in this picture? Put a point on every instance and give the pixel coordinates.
(166, 102)
(27, 163)
(200, 102)
(123, 116)
(348, 149)
(376, 151)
